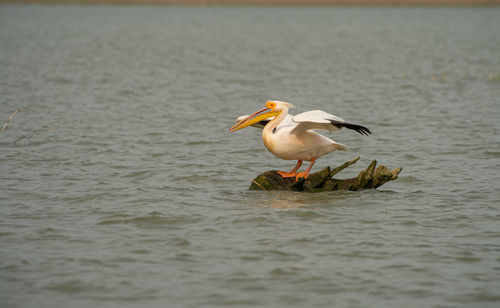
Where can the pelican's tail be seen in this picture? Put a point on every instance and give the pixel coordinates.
(339, 147)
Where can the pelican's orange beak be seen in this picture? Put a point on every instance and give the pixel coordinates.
(254, 118)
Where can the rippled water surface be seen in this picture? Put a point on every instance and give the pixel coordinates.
(120, 184)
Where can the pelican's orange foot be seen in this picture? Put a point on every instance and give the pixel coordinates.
(299, 175)
(287, 174)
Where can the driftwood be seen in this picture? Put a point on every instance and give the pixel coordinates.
(8, 123)
(31, 134)
(323, 180)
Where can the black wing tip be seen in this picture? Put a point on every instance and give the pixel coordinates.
(365, 131)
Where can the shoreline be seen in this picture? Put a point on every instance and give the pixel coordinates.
(270, 2)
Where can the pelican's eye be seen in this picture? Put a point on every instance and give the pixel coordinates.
(271, 105)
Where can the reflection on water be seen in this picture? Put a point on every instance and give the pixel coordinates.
(295, 200)
(129, 190)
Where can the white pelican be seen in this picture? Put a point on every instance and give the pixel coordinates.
(293, 137)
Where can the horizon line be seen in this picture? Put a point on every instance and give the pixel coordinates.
(273, 2)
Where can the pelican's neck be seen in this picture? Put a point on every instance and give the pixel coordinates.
(275, 122)
(269, 128)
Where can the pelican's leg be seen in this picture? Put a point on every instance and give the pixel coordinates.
(292, 173)
(306, 173)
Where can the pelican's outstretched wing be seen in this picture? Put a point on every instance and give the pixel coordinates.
(318, 119)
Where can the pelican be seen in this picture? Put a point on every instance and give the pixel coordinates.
(294, 137)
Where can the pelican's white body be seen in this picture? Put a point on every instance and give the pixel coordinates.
(293, 137)
(304, 145)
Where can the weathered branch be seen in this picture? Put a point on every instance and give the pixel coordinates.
(7, 124)
(31, 134)
(323, 180)
(9, 120)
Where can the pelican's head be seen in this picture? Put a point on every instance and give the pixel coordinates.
(272, 109)
(279, 105)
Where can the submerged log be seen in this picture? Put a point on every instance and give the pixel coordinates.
(323, 180)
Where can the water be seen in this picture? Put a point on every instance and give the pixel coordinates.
(125, 187)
